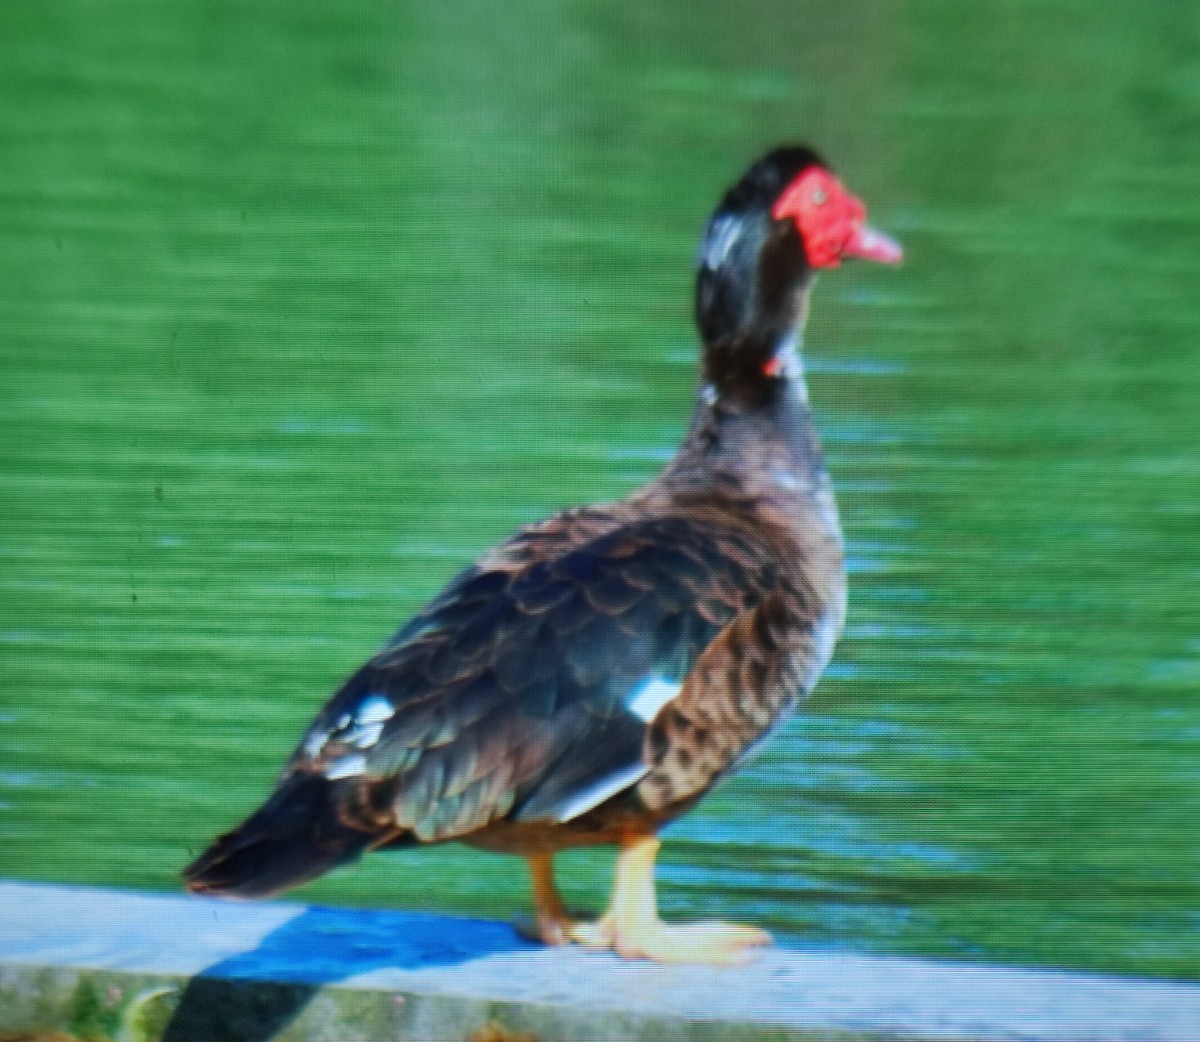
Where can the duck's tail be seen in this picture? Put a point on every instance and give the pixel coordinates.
(294, 837)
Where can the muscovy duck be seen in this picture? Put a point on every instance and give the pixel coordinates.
(590, 679)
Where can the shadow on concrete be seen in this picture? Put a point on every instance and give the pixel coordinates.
(252, 996)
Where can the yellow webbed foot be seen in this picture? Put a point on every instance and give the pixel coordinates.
(599, 935)
(631, 926)
(704, 942)
(708, 942)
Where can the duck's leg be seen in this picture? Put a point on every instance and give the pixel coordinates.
(552, 923)
(631, 925)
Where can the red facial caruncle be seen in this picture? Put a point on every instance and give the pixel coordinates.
(832, 222)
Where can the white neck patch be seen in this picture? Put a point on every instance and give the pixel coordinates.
(787, 355)
(719, 241)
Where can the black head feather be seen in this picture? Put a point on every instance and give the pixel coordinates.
(752, 268)
(767, 177)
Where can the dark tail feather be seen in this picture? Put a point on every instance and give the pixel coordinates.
(294, 837)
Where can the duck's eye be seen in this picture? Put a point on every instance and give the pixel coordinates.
(819, 197)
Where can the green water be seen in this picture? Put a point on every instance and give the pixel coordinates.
(303, 305)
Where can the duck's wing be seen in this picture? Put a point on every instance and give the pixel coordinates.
(527, 688)
(741, 687)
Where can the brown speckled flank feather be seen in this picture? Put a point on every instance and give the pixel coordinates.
(593, 677)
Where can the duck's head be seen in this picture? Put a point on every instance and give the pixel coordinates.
(787, 218)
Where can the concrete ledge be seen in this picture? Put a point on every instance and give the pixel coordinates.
(141, 967)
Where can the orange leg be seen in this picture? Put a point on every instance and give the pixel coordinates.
(552, 924)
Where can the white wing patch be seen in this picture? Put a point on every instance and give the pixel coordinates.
(647, 700)
(314, 743)
(368, 722)
(346, 767)
(359, 730)
(374, 710)
(644, 702)
(596, 794)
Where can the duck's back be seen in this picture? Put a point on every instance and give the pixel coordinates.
(543, 682)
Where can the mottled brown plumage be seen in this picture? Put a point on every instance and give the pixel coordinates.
(594, 676)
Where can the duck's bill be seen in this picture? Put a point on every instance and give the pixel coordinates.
(872, 245)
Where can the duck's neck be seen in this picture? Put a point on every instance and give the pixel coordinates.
(751, 320)
(752, 425)
(754, 372)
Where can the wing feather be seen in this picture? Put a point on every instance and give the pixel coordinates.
(522, 688)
